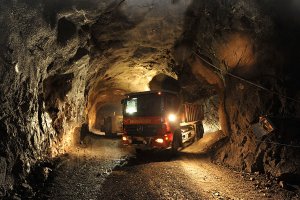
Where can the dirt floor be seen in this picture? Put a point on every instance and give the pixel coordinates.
(104, 169)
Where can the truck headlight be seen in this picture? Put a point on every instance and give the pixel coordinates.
(124, 138)
(159, 140)
(172, 117)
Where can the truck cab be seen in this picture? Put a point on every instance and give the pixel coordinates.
(157, 120)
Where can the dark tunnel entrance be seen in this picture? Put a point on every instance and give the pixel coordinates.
(109, 119)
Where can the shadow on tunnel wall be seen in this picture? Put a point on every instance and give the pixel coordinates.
(113, 22)
(164, 82)
(286, 17)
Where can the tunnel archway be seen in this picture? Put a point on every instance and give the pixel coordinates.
(107, 110)
(104, 104)
(79, 58)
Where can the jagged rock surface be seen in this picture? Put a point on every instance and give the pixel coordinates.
(254, 41)
(60, 62)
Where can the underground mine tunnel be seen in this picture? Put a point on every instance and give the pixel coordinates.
(65, 66)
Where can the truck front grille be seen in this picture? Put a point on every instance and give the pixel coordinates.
(142, 129)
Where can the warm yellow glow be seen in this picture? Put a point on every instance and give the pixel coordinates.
(124, 138)
(172, 117)
(209, 127)
(67, 141)
(66, 144)
(146, 88)
(237, 51)
(159, 140)
(166, 137)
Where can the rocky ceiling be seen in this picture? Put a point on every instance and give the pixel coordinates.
(62, 61)
(132, 43)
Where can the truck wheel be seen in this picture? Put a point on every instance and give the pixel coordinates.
(138, 151)
(199, 131)
(177, 142)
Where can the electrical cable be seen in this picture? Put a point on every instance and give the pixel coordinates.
(256, 85)
(242, 79)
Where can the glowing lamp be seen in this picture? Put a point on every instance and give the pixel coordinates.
(172, 117)
(124, 138)
(130, 110)
(159, 140)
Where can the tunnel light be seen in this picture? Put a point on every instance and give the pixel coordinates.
(159, 140)
(172, 117)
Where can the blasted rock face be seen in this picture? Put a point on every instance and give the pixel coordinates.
(57, 59)
(252, 41)
(42, 84)
(164, 82)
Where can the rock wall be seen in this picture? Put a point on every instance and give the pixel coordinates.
(53, 54)
(211, 122)
(242, 41)
(42, 85)
(63, 60)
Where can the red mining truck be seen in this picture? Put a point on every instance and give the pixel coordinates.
(160, 120)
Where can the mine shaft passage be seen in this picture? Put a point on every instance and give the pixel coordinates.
(149, 99)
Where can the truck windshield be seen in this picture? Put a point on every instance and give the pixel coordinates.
(143, 105)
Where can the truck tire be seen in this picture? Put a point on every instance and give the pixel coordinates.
(199, 131)
(176, 143)
(138, 151)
